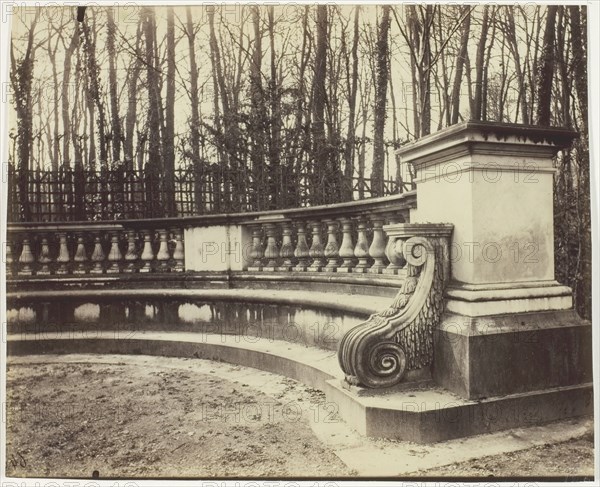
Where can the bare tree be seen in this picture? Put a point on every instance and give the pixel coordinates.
(460, 62)
(381, 82)
(546, 69)
(116, 132)
(352, 82)
(319, 147)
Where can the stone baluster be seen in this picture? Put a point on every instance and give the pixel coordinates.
(302, 250)
(9, 259)
(63, 258)
(287, 248)
(114, 255)
(271, 251)
(347, 247)
(256, 254)
(377, 248)
(131, 254)
(393, 253)
(80, 257)
(44, 258)
(361, 250)
(332, 249)
(147, 253)
(97, 256)
(26, 259)
(317, 250)
(163, 256)
(178, 251)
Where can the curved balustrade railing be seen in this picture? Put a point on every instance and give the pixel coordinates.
(361, 241)
(341, 238)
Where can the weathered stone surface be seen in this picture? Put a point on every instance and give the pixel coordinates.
(508, 354)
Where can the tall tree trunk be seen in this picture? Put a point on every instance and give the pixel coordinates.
(546, 69)
(93, 71)
(395, 137)
(113, 86)
(153, 169)
(169, 132)
(195, 113)
(363, 151)
(275, 121)
(194, 99)
(460, 61)
(486, 66)
(426, 71)
(78, 108)
(579, 43)
(319, 149)
(258, 115)
(22, 79)
(446, 115)
(351, 133)
(415, 98)
(218, 67)
(300, 140)
(66, 80)
(132, 91)
(54, 144)
(154, 146)
(479, 65)
(583, 289)
(381, 83)
(511, 35)
(215, 62)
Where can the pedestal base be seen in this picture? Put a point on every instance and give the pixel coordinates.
(485, 356)
(430, 415)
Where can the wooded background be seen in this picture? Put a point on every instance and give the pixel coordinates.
(319, 92)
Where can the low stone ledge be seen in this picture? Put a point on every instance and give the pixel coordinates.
(433, 415)
(369, 285)
(419, 414)
(309, 365)
(348, 304)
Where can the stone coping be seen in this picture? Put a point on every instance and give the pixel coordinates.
(385, 204)
(346, 303)
(460, 133)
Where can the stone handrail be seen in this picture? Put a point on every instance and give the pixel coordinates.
(378, 352)
(344, 238)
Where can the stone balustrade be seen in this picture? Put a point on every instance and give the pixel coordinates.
(350, 244)
(92, 249)
(344, 238)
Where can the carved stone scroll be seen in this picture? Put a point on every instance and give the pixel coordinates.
(378, 352)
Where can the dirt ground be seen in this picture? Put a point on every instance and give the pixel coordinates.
(149, 417)
(573, 458)
(69, 419)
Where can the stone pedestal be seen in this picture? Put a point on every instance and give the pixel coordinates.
(508, 326)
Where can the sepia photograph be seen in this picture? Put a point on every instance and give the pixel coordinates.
(296, 244)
